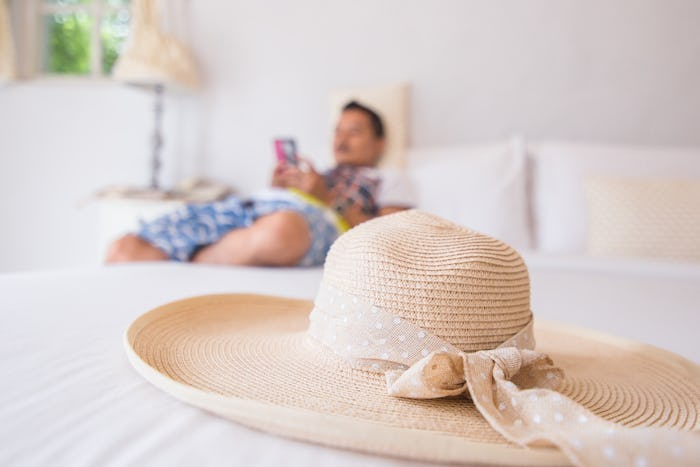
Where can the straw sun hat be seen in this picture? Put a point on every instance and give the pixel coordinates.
(420, 344)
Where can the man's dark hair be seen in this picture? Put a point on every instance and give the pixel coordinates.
(374, 118)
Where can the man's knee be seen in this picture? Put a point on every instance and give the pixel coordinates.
(281, 239)
(133, 248)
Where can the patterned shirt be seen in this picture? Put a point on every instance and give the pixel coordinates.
(351, 184)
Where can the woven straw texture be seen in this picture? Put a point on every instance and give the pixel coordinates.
(471, 290)
(253, 348)
(250, 358)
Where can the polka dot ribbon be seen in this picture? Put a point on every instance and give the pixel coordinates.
(513, 386)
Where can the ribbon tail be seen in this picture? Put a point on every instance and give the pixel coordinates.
(539, 413)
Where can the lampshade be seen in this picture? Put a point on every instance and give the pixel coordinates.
(7, 49)
(153, 57)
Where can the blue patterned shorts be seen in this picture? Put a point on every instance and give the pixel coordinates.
(183, 232)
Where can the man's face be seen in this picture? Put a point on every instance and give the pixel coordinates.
(354, 142)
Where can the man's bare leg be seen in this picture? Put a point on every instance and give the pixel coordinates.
(278, 239)
(133, 248)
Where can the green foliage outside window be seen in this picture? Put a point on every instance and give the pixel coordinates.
(69, 43)
(69, 37)
(111, 46)
(113, 34)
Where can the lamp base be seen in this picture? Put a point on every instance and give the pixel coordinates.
(157, 139)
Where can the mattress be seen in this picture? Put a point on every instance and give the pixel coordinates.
(69, 396)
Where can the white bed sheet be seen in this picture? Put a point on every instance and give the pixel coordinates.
(69, 397)
(654, 302)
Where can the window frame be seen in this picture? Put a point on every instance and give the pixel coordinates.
(27, 15)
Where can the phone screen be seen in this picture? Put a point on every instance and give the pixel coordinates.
(286, 151)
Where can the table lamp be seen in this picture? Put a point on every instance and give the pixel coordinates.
(154, 60)
(7, 49)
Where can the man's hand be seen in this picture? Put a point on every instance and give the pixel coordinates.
(302, 177)
(280, 176)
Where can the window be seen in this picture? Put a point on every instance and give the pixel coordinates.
(73, 37)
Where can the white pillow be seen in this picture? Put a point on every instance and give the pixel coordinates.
(643, 218)
(391, 103)
(482, 187)
(559, 170)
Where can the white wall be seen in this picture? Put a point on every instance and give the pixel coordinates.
(620, 71)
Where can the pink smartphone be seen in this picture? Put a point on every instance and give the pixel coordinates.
(286, 151)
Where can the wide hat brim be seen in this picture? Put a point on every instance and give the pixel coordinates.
(246, 358)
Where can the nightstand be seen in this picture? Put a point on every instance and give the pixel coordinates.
(121, 216)
(121, 210)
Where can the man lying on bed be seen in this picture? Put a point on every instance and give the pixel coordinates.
(292, 223)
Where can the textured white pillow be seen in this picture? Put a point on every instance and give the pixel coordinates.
(391, 103)
(482, 187)
(643, 218)
(558, 183)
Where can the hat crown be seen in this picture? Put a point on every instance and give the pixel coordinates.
(469, 289)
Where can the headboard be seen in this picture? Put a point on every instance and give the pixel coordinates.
(391, 103)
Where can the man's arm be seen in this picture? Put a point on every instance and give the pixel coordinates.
(391, 209)
(281, 176)
(304, 178)
(354, 215)
(311, 182)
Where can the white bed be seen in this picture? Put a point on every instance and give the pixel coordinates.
(69, 396)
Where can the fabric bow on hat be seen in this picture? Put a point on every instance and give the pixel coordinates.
(443, 374)
(512, 386)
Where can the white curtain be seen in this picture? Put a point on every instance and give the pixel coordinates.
(7, 48)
